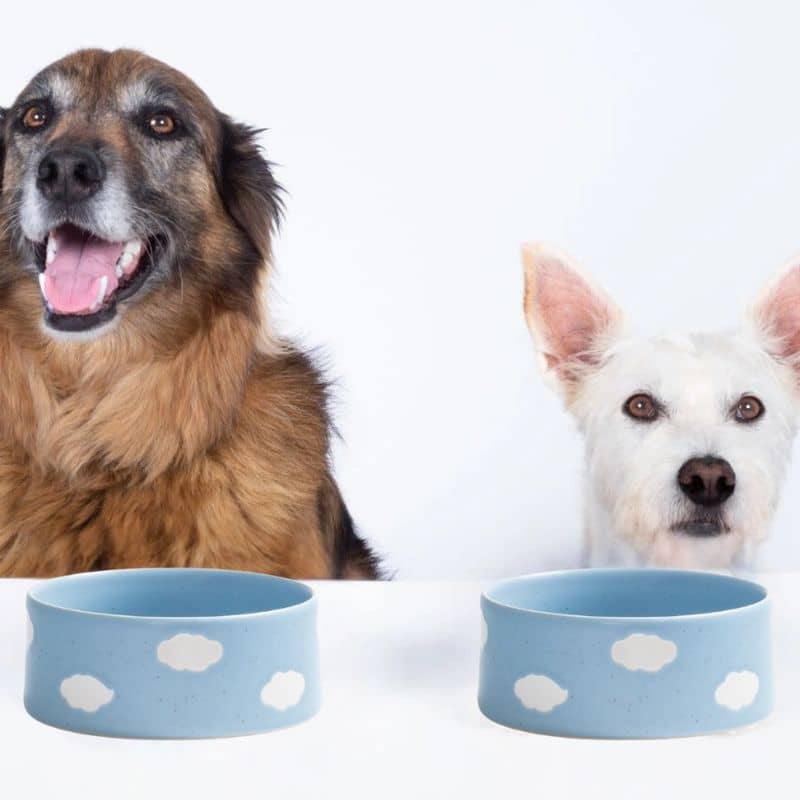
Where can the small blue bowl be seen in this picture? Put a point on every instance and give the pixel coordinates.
(171, 653)
(625, 653)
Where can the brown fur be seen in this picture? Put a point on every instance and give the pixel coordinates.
(188, 435)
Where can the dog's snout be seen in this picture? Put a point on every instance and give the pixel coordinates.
(708, 481)
(70, 174)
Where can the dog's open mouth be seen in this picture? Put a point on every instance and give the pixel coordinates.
(83, 277)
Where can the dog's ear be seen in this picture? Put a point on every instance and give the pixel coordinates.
(246, 184)
(775, 316)
(572, 321)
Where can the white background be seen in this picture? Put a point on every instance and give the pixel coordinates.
(420, 142)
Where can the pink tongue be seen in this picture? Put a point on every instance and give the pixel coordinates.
(72, 280)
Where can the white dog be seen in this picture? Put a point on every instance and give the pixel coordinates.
(687, 437)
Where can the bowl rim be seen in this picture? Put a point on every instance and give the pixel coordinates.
(714, 576)
(309, 600)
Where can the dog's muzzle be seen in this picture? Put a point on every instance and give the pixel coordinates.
(708, 482)
(83, 276)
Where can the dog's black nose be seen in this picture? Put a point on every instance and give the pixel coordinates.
(708, 481)
(70, 174)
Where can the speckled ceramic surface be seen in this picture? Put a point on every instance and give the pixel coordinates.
(171, 653)
(625, 653)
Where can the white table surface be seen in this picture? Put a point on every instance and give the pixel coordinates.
(400, 719)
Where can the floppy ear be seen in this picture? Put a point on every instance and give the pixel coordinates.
(572, 321)
(775, 316)
(248, 189)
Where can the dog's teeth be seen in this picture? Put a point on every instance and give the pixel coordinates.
(44, 292)
(101, 293)
(51, 249)
(133, 248)
(129, 253)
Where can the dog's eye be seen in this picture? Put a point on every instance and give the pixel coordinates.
(641, 407)
(162, 124)
(748, 409)
(35, 117)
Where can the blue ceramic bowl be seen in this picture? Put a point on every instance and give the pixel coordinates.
(625, 653)
(171, 653)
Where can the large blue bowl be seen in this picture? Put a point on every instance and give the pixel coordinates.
(625, 653)
(171, 653)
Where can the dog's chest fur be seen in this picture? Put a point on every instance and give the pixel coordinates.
(213, 455)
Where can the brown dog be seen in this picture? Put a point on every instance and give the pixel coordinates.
(147, 415)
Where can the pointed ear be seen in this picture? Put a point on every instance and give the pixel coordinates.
(249, 191)
(775, 316)
(572, 321)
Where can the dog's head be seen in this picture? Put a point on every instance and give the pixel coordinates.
(687, 437)
(118, 179)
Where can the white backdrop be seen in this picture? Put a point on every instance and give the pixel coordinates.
(420, 142)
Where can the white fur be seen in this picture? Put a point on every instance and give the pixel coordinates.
(633, 500)
(109, 210)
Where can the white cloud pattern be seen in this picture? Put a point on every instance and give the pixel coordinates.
(540, 693)
(643, 651)
(738, 690)
(283, 690)
(190, 652)
(86, 693)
